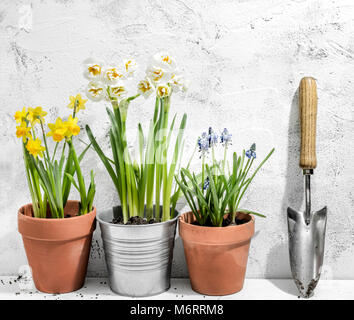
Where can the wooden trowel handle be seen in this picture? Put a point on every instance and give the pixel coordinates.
(308, 115)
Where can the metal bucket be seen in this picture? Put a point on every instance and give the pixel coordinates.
(138, 257)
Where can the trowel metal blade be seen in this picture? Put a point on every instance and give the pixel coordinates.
(306, 248)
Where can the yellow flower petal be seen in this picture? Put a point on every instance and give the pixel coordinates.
(35, 147)
(36, 115)
(57, 130)
(77, 102)
(72, 129)
(24, 132)
(20, 115)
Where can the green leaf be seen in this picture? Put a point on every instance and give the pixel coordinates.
(253, 175)
(82, 154)
(141, 143)
(188, 196)
(251, 212)
(47, 186)
(72, 180)
(102, 157)
(213, 190)
(91, 192)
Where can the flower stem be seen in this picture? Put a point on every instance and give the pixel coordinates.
(75, 106)
(45, 141)
(223, 166)
(55, 151)
(166, 188)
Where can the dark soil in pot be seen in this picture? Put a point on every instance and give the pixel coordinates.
(226, 222)
(133, 221)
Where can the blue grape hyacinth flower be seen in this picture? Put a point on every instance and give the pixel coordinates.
(226, 138)
(206, 184)
(203, 144)
(213, 138)
(251, 153)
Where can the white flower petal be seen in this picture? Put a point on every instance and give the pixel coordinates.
(93, 69)
(130, 66)
(111, 75)
(95, 90)
(163, 90)
(118, 91)
(164, 60)
(145, 87)
(158, 74)
(178, 83)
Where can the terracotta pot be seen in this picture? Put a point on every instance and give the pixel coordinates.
(216, 256)
(57, 249)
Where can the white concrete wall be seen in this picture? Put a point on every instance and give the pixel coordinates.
(244, 60)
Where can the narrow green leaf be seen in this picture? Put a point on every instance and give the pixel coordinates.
(102, 157)
(72, 180)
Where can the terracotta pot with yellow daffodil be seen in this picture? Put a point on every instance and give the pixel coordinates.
(56, 232)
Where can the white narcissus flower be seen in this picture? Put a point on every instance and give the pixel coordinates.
(164, 60)
(95, 90)
(178, 83)
(130, 67)
(112, 75)
(118, 91)
(145, 87)
(157, 74)
(93, 69)
(163, 90)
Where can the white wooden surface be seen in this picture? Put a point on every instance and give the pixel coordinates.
(97, 289)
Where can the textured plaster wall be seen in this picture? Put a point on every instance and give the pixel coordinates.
(244, 60)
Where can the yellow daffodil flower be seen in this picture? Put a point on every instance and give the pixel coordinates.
(72, 128)
(23, 131)
(163, 90)
(35, 115)
(57, 130)
(77, 102)
(20, 115)
(145, 87)
(35, 147)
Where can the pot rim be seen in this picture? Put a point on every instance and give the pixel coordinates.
(215, 235)
(252, 220)
(53, 229)
(55, 220)
(134, 225)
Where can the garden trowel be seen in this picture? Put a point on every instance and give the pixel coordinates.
(307, 229)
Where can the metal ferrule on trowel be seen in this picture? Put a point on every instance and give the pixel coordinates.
(307, 229)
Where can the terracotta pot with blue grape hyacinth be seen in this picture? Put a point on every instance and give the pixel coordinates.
(216, 234)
